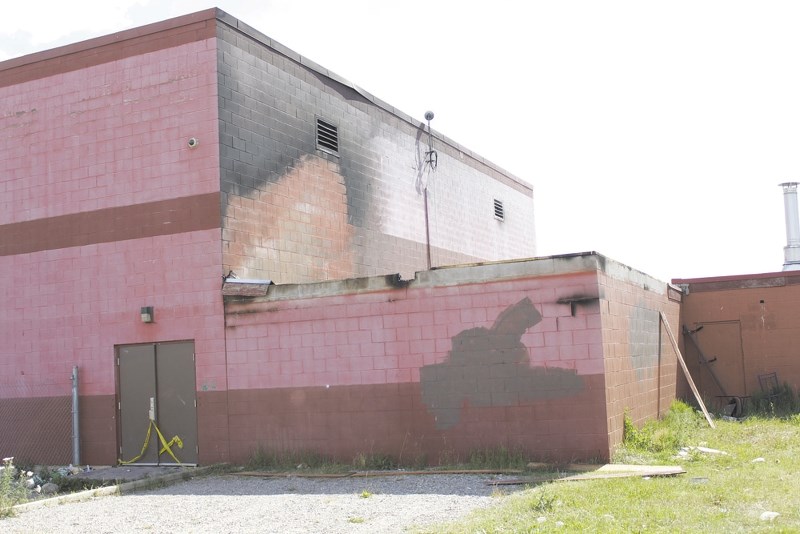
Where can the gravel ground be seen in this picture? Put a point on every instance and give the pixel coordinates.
(230, 503)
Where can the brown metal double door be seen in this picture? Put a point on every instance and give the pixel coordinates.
(722, 344)
(158, 380)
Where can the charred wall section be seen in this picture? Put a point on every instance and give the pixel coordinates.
(295, 212)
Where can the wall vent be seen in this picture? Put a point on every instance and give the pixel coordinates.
(499, 212)
(327, 136)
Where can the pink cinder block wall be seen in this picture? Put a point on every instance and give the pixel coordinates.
(641, 363)
(454, 361)
(105, 209)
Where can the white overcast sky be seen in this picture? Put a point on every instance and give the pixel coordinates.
(655, 133)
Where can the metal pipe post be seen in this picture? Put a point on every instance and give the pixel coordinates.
(76, 434)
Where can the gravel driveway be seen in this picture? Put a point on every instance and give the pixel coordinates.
(230, 503)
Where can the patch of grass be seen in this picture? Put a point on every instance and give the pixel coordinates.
(662, 437)
(543, 503)
(70, 484)
(484, 458)
(497, 492)
(356, 520)
(365, 494)
(496, 458)
(719, 492)
(783, 402)
(374, 462)
(286, 460)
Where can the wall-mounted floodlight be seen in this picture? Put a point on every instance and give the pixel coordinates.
(147, 314)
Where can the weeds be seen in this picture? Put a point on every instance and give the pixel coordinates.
(780, 402)
(719, 492)
(543, 504)
(374, 462)
(283, 460)
(497, 458)
(286, 460)
(498, 492)
(12, 488)
(665, 435)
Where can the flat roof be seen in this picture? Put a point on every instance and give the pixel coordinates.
(739, 281)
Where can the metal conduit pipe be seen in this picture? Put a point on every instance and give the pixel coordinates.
(76, 435)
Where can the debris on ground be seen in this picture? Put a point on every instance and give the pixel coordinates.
(685, 451)
(596, 472)
(769, 516)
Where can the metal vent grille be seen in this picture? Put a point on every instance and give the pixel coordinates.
(499, 212)
(327, 136)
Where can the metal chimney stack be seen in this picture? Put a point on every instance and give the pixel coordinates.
(791, 252)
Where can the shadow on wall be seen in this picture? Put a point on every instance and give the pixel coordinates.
(490, 367)
(643, 341)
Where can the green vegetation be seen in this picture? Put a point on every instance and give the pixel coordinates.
(286, 460)
(373, 462)
(731, 491)
(496, 458)
(782, 402)
(313, 462)
(12, 489)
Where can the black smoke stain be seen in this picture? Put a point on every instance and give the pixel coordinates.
(491, 367)
(267, 129)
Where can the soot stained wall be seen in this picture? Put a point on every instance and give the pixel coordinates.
(295, 213)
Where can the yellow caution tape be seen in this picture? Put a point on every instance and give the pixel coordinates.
(174, 441)
(165, 446)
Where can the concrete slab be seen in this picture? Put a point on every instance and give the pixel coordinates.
(138, 478)
(129, 473)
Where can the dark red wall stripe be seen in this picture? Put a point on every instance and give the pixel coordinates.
(164, 217)
(158, 36)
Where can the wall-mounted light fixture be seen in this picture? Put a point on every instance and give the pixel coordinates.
(147, 314)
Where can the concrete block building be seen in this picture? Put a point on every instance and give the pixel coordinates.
(147, 174)
(740, 332)
(736, 329)
(543, 356)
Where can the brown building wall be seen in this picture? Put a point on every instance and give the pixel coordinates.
(748, 325)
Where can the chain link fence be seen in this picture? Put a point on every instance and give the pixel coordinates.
(36, 423)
